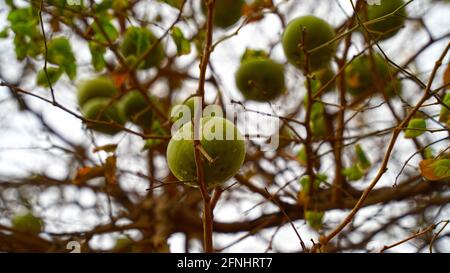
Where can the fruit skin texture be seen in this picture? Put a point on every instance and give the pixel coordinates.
(137, 41)
(27, 223)
(360, 77)
(389, 26)
(228, 155)
(137, 110)
(226, 12)
(318, 32)
(100, 87)
(102, 109)
(178, 112)
(260, 79)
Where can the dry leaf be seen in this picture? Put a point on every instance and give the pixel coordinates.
(427, 170)
(85, 173)
(110, 169)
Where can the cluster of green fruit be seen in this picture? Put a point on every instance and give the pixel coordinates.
(99, 101)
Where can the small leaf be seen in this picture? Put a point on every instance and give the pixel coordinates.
(416, 127)
(353, 173)
(433, 170)
(97, 55)
(314, 219)
(183, 45)
(4, 33)
(110, 169)
(54, 73)
(444, 115)
(361, 156)
(60, 53)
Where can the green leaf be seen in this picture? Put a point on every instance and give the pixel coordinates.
(444, 115)
(442, 168)
(353, 173)
(416, 127)
(54, 73)
(4, 33)
(104, 27)
(314, 219)
(183, 45)
(98, 59)
(363, 161)
(60, 53)
(304, 181)
(435, 169)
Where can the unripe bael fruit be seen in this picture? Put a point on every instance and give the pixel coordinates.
(27, 223)
(364, 75)
(100, 87)
(226, 12)
(220, 140)
(389, 25)
(317, 33)
(137, 109)
(103, 109)
(260, 79)
(179, 110)
(321, 78)
(137, 41)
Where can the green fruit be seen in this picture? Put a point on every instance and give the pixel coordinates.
(390, 25)
(27, 223)
(136, 43)
(260, 79)
(226, 12)
(100, 87)
(102, 109)
(320, 78)
(178, 110)
(363, 75)
(137, 109)
(317, 33)
(226, 150)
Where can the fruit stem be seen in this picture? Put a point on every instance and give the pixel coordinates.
(207, 209)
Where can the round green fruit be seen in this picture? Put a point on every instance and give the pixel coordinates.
(102, 109)
(226, 12)
(317, 33)
(178, 110)
(100, 87)
(364, 75)
(136, 42)
(223, 144)
(390, 25)
(260, 79)
(137, 109)
(27, 223)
